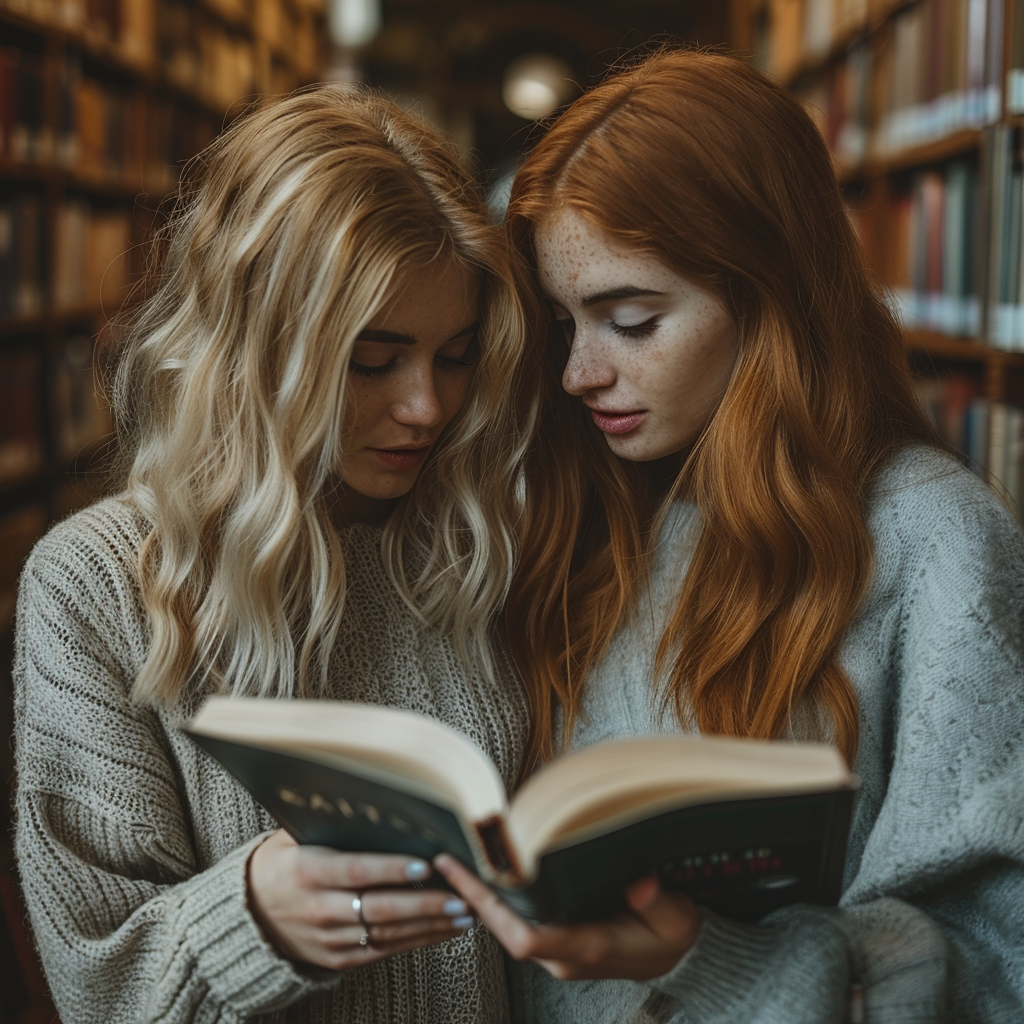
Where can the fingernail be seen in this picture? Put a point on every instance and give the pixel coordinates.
(417, 870)
(455, 908)
(462, 923)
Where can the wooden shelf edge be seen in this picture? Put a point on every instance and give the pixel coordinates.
(40, 323)
(968, 350)
(948, 147)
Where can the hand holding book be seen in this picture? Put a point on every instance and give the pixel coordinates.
(646, 940)
(341, 910)
(743, 827)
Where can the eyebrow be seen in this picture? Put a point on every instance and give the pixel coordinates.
(626, 292)
(394, 338)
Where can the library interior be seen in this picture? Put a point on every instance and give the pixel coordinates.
(103, 102)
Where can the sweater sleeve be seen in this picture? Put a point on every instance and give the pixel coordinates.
(128, 928)
(930, 919)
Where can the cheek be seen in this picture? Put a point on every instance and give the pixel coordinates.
(452, 392)
(365, 403)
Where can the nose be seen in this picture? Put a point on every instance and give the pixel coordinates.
(587, 368)
(419, 404)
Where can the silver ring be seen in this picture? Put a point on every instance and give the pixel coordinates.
(357, 909)
(364, 939)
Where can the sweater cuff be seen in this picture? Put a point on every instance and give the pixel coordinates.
(231, 953)
(721, 968)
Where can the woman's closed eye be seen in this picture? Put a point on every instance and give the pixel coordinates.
(371, 369)
(639, 330)
(460, 356)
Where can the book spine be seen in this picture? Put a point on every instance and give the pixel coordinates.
(492, 835)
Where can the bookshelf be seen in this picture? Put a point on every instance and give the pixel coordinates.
(100, 105)
(101, 102)
(922, 106)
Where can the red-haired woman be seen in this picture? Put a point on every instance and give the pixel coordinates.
(738, 522)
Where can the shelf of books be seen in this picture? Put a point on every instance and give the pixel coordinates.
(922, 106)
(101, 103)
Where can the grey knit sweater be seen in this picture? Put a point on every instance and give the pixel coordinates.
(932, 913)
(132, 844)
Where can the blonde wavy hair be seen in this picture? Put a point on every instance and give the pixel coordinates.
(230, 389)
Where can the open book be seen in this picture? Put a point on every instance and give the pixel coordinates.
(742, 826)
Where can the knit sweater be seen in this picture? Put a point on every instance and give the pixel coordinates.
(931, 919)
(132, 843)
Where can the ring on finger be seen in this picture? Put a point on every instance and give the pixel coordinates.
(357, 909)
(364, 939)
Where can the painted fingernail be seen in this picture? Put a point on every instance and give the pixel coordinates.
(417, 870)
(462, 923)
(455, 908)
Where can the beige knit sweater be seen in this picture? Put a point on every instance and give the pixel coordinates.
(132, 843)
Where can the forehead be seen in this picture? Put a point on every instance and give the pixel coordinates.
(576, 259)
(443, 291)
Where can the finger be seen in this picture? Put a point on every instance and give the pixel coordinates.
(672, 916)
(385, 905)
(322, 867)
(519, 937)
(328, 908)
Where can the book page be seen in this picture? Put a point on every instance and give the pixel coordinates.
(610, 784)
(394, 745)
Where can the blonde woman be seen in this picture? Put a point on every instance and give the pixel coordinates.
(314, 406)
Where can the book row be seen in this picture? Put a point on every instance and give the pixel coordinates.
(77, 418)
(1004, 151)
(935, 70)
(85, 247)
(105, 132)
(932, 249)
(206, 46)
(990, 434)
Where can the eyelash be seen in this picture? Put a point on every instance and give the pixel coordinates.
(642, 330)
(376, 371)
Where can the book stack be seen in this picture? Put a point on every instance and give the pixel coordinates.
(25, 136)
(21, 255)
(90, 258)
(933, 224)
(102, 129)
(838, 101)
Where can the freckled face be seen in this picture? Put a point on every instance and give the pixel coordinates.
(410, 372)
(650, 352)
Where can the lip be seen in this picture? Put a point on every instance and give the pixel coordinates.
(407, 458)
(617, 422)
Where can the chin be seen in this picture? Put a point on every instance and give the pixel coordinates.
(634, 449)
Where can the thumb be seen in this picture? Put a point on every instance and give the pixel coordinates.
(670, 915)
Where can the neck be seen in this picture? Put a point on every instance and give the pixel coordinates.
(349, 507)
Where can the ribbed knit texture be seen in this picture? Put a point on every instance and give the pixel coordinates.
(132, 843)
(932, 913)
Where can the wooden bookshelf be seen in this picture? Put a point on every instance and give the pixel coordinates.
(153, 74)
(913, 99)
(96, 121)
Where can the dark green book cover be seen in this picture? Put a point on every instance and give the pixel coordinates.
(740, 857)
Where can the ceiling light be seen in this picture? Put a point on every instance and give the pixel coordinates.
(353, 23)
(536, 84)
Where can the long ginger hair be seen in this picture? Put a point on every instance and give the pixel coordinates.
(229, 396)
(705, 163)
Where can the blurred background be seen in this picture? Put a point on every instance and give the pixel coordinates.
(103, 101)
